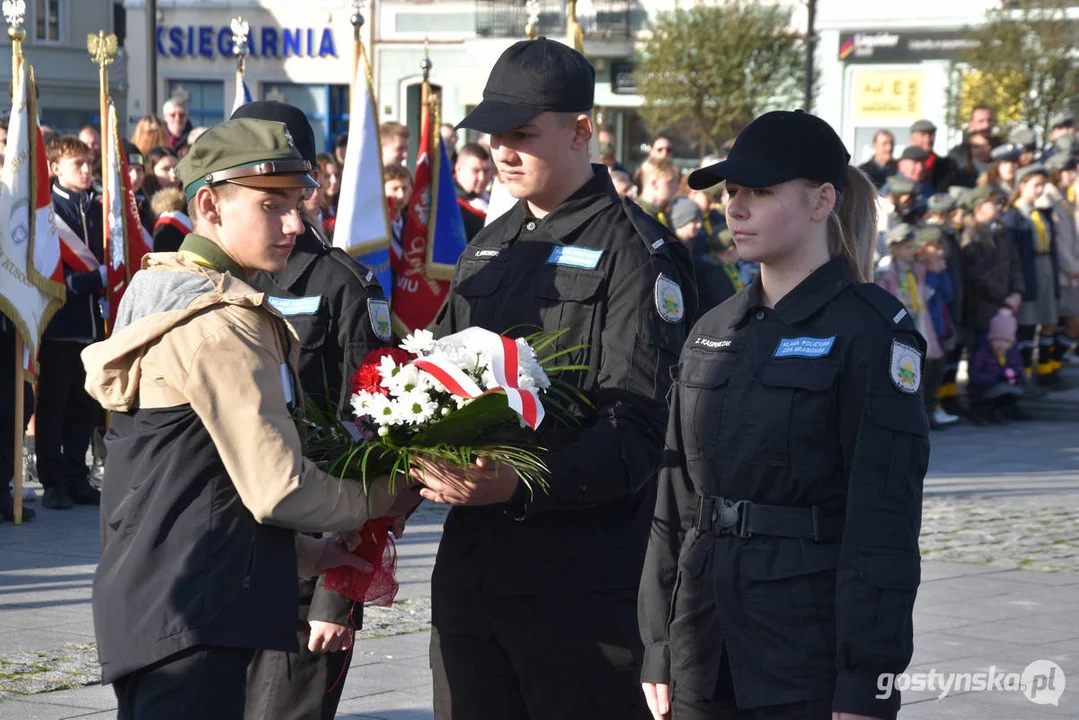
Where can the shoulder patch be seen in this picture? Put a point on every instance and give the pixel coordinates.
(905, 368)
(378, 314)
(669, 303)
(654, 234)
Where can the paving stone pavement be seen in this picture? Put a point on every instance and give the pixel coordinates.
(1000, 590)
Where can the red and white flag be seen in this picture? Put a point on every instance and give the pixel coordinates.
(126, 238)
(31, 276)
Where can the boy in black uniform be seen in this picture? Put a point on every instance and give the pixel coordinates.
(339, 312)
(533, 596)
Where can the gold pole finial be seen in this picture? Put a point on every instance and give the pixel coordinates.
(102, 48)
(426, 63)
(15, 13)
(357, 19)
(532, 28)
(240, 30)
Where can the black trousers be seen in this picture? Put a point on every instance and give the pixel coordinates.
(200, 683)
(7, 402)
(571, 657)
(66, 415)
(296, 686)
(722, 707)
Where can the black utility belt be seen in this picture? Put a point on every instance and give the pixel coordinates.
(742, 518)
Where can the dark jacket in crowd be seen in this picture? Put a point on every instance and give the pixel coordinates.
(473, 218)
(80, 318)
(879, 175)
(954, 260)
(1025, 238)
(991, 272)
(986, 371)
(941, 173)
(715, 283)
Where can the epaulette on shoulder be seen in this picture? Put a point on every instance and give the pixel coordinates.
(654, 234)
(354, 267)
(886, 305)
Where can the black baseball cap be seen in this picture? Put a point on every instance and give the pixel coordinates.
(531, 77)
(294, 118)
(777, 147)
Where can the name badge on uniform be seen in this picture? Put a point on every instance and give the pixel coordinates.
(806, 347)
(905, 368)
(669, 302)
(378, 313)
(583, 258)
(488, 254)
(295, 306)
(712, 344)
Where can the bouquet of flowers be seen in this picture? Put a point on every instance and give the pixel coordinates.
(472, 394)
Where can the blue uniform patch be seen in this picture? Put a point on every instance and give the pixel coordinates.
(807, 347)
(296, 306)
(575, 257)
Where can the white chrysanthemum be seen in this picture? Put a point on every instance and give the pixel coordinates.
(406, 379)
(387, 368)
(419, 343)
(414, 407)
(378, 407)
(530, 374)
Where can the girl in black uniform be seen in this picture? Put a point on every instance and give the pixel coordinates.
(783, 560)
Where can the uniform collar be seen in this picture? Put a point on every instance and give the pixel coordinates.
(309, 248)
(203, 251)
(805, 300)
(595, 195)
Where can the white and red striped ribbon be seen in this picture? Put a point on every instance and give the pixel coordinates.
(505, 365)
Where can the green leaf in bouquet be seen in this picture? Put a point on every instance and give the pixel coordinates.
(471, 423)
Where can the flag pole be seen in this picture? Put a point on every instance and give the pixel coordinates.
(102, 49)
(240, 48)
(17, 33)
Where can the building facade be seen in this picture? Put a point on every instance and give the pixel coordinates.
(55, 46)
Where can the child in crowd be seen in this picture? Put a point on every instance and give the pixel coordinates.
(939, 296)
(996, 378)
(623, 184)
(65, 413)
(659, 183)
(687, 222)
(904, 277)
(719, 273)
(398, 190)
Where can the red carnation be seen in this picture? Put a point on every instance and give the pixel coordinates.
(368, 378)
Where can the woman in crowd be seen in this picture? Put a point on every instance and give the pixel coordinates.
(149, 133)
(160, 169)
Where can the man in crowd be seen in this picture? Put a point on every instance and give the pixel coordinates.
(940, 171)
(472, 175)
(912, 165)
(882, 165)
(393, 136)
(397, 187)
(92, 139)
(449, 141)
(177, 123)
(981, 123)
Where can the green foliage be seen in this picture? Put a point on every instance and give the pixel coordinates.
(710, 68)
(1023, 65)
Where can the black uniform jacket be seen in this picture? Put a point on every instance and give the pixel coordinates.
(330, 295)
(815, 403)
(604, 272)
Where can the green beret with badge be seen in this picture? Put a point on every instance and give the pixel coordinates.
(249, 152)
(928, 234)
(1028, 170)
(899, 185)
(721, 241)
(898, 234)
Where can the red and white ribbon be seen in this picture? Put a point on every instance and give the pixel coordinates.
(505, 366)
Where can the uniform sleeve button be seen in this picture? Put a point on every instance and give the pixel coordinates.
(530, 225)
(760, 314)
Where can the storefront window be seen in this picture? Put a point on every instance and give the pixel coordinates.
(47, 16)
(205, 100)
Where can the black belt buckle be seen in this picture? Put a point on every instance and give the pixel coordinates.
(721, 516)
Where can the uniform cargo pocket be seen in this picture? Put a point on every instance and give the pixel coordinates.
(796, 414)
(312, 329)
(703, 391)
(787, 591)
(478, 279)
(888, 585)
(566, 285)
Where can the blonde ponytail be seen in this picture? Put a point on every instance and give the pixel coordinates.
(852, 226)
